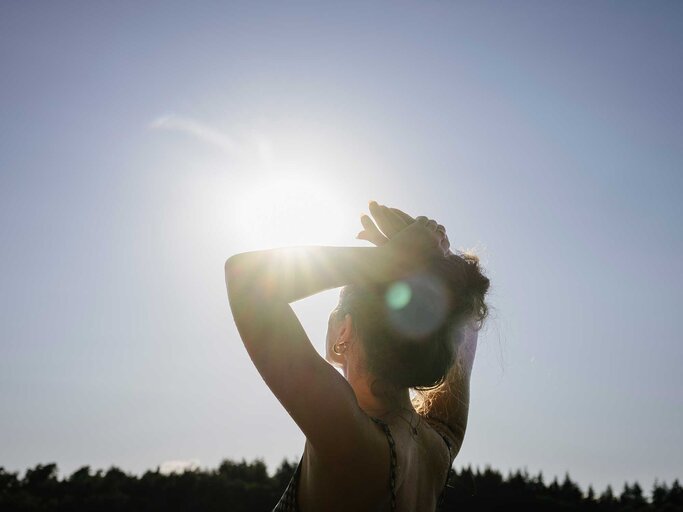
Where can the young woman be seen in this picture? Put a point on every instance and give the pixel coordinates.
(408, 318)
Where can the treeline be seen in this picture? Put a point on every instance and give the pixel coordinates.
(246, 486)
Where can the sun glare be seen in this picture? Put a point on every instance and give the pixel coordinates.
(288, 209)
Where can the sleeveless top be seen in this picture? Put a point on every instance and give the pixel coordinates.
(288, 502)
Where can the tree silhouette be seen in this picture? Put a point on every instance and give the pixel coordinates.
(246, 486)
(632, 497)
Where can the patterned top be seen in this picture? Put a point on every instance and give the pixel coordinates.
(288, 502)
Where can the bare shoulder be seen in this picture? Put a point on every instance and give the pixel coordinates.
(446, 407)
(368, 454)
(451, 440)
(326, 484)
(451, 433)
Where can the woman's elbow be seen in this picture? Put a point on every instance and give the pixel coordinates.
(234, 267)
(227, 267)
(233, 271)
(242, 281)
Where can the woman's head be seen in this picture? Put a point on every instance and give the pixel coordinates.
(409, 329)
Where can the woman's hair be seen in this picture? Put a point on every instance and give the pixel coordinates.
(410, 329)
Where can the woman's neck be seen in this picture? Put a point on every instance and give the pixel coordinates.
(378, 400)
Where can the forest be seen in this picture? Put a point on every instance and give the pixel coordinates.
(247, 486)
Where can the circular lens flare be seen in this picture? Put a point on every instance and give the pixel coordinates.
(417, 306)
(398, 295)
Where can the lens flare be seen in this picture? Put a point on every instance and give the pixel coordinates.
(398, 295)
(417, 306)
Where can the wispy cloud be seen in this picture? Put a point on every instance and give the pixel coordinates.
(196, 129)
(178, 466)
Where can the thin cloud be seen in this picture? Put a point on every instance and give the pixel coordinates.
(178, 466)
(196, 129)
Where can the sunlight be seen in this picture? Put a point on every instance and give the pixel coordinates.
(288, 208)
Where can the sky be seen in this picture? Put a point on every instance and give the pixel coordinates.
(141, 145)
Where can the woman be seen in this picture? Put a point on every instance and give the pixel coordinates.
(408, 318)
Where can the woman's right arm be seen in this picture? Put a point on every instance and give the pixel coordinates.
(446, 407)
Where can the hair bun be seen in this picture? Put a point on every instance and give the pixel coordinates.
(402, 345)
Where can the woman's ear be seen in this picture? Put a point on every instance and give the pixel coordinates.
(346, 329)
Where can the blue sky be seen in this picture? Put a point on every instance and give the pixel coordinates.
(141, 145)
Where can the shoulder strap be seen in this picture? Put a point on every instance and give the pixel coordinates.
(289, 501)
(448, 471)
(392, 450)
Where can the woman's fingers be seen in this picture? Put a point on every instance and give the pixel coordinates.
(370, 232)
(428, 223)
(368, 223)
(407, 219)
(396, 221)
(446, 244)
(439, 230)
(380, 218)
(387, 220)
(418, 241)
(390, 221)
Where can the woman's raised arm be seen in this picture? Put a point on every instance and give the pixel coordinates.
(446, 407)
(260, 286)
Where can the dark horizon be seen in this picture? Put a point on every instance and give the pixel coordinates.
(248, 486)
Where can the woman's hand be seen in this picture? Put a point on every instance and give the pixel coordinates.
(391, 221)
(413, 245)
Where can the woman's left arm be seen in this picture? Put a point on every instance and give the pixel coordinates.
(261, 284)
(293, 273)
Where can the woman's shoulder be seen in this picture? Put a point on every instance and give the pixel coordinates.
(366, 468)
(387, 460)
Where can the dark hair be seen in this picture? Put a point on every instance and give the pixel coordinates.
(410, 329)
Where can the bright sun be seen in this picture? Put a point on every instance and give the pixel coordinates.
(258, 198)
(288, 209)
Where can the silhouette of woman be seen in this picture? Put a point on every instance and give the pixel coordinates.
(408, 317)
